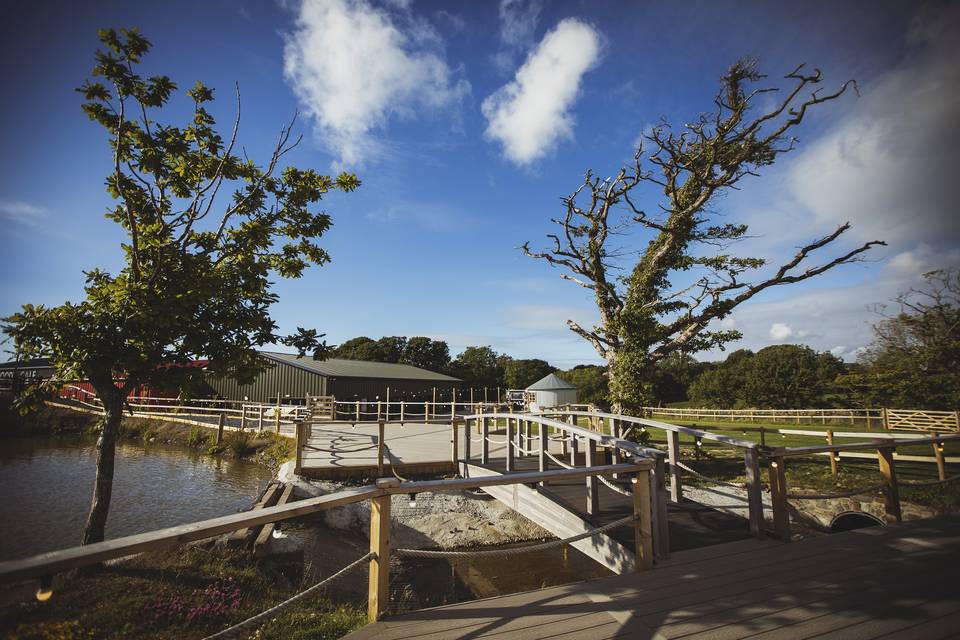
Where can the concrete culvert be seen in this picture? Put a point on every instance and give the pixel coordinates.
(850, 521)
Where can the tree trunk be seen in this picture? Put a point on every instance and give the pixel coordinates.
(106, 450)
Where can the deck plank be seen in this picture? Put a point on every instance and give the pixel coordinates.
(894, 581)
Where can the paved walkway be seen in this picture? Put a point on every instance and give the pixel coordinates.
(891, 582)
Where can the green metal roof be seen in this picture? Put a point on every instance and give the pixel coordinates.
(551, 382)
(338, 368)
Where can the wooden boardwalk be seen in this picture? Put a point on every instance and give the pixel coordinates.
(897, 581)
(342, 449)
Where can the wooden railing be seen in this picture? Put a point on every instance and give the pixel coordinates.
(885, 448)
(922, 420)
(45, 565)
(360, 411)
(867, 417)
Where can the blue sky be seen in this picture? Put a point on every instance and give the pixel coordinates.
(468, 121)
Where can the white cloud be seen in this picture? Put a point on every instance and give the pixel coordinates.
(890, 166)
(20, 211)
(354, 67)
(780, 331)
(531, 114)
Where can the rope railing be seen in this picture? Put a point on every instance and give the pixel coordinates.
(253, 622)
(697, 474)
(557, 460)
(512, 551)
(613, 487)
(928, 483)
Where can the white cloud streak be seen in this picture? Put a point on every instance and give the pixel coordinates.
(531, 115)
(354, 66)
(20, 211)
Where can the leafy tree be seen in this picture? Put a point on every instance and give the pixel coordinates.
(914, 359)
(591, 383)
(674, 375)
(722, 387)
(195, 281)
(785, 376)
(521, 373)
(362, 348)
(643, 318)
(478, 367)
(423, 352)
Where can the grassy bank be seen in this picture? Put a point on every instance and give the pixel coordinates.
(266, 448)
(189, 593)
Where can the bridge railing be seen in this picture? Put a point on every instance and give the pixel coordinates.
(44, 566)
(618, 426)
(528, 435)
(889, 484)
(369, 411)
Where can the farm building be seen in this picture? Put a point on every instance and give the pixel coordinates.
(553, 391)
(293, 378)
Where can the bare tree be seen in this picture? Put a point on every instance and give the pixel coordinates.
(642, 319)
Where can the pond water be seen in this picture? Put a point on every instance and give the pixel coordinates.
(46, 484)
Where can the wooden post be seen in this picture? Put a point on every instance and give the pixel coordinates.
(778, 498)
(378, 411)
(593, 487)
(402, 410)
(434, 402)
(574, 449)
(673, 451)
(260, 417)
(388, 404)
(615, 452)
(357, 415)
(833, 455)
(891, 493)
(528, 437)
(751, 463)
(222, 420)
(941, 467)
(380, 448)
(378, 593)
(886, 422)
(455, 445)
(453, 408)
(243, 417)
(510, 446)
(467, 439)
(763, 437)
(642, 528)
(658, 484)
(301, 440)
(485, 441)
(543, 447)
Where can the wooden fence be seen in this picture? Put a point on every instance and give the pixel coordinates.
(891, 419)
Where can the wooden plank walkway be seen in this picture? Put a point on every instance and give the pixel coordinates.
(340, 449)
(897, 581)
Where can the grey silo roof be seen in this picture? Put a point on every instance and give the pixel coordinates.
(339, 368)
(551, 382)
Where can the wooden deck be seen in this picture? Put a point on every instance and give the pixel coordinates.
(342, 449)
(897, 581)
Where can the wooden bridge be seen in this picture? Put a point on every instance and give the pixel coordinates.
(686, 568)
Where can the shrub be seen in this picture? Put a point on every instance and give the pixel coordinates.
(241, 444)
(198, 437)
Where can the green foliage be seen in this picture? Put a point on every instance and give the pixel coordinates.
(914, 359)
(418, 351)
(783, 376)
(591, 383)
(433, 355)
(195, 278)
(241, 444)
(478, 367)
(198, 437)
(520, 374)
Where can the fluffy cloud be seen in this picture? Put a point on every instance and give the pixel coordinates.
(354, 66)
(531, 115)
(780, 331)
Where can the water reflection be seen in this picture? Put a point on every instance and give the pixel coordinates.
(46, 483)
